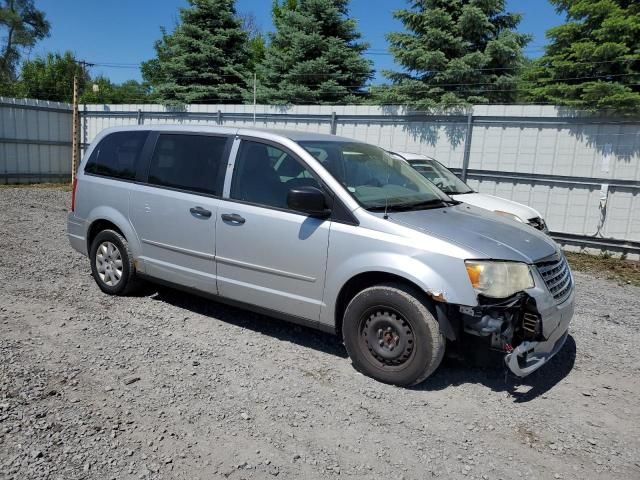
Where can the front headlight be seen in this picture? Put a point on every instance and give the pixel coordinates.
(499, 279)
(508, 215)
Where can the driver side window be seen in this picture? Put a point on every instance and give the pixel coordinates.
(264, 174)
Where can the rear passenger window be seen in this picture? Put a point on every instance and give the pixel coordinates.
(189, 162)
(117, 155)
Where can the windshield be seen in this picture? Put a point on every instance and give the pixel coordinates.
(441, 176)
(374, 178)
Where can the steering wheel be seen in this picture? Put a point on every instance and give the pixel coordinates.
(373, 182)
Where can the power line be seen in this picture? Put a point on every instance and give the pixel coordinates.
(244, 101)
(478, 86)
(618, 60)
(484, 69)
(336, 74)
(522, 85)
(545, 80)
(528, 83)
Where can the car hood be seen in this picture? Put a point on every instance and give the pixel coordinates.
(476, 229)
(489, 202)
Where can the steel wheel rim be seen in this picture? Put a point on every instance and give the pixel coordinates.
(109, 263)
(387, 338)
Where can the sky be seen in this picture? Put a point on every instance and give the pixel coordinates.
(122, 32)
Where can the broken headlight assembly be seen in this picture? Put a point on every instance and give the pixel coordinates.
(496, 279)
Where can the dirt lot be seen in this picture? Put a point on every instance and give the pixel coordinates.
(166, 385)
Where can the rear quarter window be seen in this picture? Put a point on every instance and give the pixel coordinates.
(117, 155)
(189, 162)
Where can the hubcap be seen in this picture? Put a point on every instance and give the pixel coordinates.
(388, 337)
(109, 263)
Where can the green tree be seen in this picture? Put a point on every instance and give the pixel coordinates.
(22, 25)
(204, 59)
(152, 70)
(257, 51)
(256, 40)
(132, 91)
(103, 90)
(99, 90)
(8, 88)
(51, 77)
(593, 60)
(454, 52)
(279, 9)
(314, 56)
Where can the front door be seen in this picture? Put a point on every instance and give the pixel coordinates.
(174, 211)
(268, 255)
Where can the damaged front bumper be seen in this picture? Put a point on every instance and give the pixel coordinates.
(530, 328)
(530, 355)
(527, 357)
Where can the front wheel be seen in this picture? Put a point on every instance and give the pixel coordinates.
(391, 335)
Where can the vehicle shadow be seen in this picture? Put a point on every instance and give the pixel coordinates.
(451, 372)
(499, 379)
(273, 327)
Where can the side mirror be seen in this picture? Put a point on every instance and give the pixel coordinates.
(309, 200)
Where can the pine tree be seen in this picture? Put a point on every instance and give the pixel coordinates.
(314, 56)
(455, 52)
(593, 60)
(204, 60)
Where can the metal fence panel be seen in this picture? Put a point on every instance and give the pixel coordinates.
(559, 161)
(35, 141)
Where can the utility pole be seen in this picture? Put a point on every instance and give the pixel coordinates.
(255, 83)
(75, 131)
(75, 128)
(467, 145)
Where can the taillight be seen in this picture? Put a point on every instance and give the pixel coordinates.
(73, 194)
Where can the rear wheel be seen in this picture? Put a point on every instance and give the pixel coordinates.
(112, 263)
(391, 335)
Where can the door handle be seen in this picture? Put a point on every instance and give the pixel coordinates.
(232, 218)
(200, 212)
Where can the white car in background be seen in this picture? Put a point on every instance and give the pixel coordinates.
(450, 184)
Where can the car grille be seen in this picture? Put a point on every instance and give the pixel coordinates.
(557, 276)
(537, 223)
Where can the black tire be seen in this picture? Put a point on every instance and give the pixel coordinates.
(127, 281)
(391, 335)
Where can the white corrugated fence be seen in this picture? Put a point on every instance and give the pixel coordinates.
(581, 172)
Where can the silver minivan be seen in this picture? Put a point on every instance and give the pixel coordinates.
(324, 231)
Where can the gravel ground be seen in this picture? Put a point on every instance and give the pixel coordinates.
(167, 385)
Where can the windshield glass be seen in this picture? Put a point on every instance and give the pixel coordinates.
(441, 176)
(373, 177)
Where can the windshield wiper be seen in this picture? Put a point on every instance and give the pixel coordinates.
(435, 203)
(405, 207)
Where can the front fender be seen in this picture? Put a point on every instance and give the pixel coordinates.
(439, 276)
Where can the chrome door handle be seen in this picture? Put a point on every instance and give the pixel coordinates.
(200, 212)
(232, 218)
